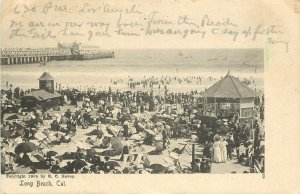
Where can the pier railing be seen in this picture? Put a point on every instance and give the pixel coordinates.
(27, 55)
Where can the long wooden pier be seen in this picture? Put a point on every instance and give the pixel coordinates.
(26, 55)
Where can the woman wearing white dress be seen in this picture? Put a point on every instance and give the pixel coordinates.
(223, 149)
(217, 152)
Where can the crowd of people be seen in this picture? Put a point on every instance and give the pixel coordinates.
(122, 122)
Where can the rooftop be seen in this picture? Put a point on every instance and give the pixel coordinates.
(229, 87)
(46, 76)
(43, 95)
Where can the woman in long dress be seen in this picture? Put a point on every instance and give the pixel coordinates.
(217, 152)
(223, 149)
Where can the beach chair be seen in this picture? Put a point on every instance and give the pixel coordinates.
(42, 139)
(133, 159)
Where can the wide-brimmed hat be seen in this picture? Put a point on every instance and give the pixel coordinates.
(217, 137)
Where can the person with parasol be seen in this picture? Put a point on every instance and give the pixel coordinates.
(25, 148)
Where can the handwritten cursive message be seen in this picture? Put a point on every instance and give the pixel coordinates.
(88, 21)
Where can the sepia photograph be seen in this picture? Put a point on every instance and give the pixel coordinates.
(150, 97)
(132, 111)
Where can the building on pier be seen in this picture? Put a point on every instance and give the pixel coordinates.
(73, 51)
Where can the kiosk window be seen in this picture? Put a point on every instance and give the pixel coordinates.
(247, 112)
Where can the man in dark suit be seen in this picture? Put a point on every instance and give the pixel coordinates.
(230, 145)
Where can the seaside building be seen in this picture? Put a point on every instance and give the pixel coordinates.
(73, 51)
(45, 96)
(227, 97)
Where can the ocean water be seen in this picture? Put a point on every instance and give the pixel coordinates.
(140, 64)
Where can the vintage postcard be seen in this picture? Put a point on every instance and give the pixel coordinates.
(157, 96)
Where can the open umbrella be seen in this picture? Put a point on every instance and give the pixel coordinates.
(159, 146)
(14, 116)
(18, 125)
(157, 168)
(95, 132)
(5, 133)
(20, 131)
(51, 153)
(78, 163)
(25, 147)
(117, 145)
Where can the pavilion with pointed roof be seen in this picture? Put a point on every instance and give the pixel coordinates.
(46, 82)
(46, 76)
(227, 97)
